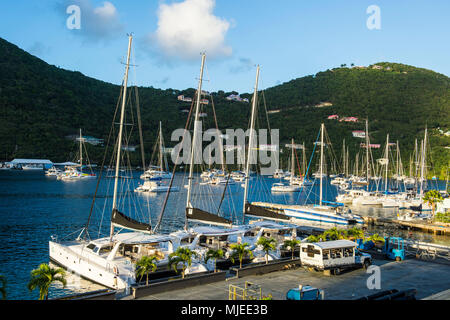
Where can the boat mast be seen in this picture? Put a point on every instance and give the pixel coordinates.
(367, 154)
(250, 140)
(119, 142)
(81, 152)
(321, 162)
(160, 148)
(422, 169)
(346, 163)
(387, 163)
(194, 139)
(292, 162)
(343, 156)
(304, 160)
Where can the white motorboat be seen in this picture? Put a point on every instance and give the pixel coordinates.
(33, 167)
(280, 187)
(155, 186)
(53, 172)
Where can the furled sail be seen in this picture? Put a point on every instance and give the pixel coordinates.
(260, 212)
(118, 219)
(195, 214)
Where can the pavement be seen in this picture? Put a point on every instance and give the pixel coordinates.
(427, 278)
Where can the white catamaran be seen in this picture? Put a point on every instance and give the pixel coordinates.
(111, 260)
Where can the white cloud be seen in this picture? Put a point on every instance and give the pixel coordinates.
(187, 28)
(97, 23)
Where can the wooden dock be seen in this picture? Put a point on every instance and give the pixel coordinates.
(435, 228)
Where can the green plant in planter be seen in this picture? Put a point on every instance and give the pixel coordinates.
(240, 250)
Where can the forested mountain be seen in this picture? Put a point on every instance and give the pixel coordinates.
(42, 104)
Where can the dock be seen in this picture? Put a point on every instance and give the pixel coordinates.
(427, 278)
(435, 228)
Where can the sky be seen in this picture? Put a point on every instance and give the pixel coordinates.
(287, 38)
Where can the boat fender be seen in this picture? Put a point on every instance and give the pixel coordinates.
(116, 270)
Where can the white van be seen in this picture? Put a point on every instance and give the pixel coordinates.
(333, 255)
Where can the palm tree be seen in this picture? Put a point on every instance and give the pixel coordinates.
(432, 197)
(183, 256)
(146, 265)
(3, 287)
(43, 277)
(292, 243)
(354, 233)
(267, 245)
(333, 234)
(240, 251)
(376, 239)
(214, 254)
(314, 238)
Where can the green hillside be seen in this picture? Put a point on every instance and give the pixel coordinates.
(42, 104)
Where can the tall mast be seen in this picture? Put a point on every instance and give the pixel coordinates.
(292, 162)
(321, 162)
(387, 163)
(81, 152)
(250, 140)
(422, 168)
(367, 154)
(119, 142)
(304, 160)
(346, 163)
(160, 148)
(343, 156)
(416, 159)
(194, 138)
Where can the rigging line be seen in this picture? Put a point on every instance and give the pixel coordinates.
(141, 138)
(103, 162)
(223, 194)
(173, 172)
(265, 108)
(220, 138)
(307, 170)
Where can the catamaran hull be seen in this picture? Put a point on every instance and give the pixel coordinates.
(70, 260)
(319, 220)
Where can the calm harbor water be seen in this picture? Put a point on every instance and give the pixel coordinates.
(34, 207)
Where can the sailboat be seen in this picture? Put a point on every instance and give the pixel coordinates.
(153, 177)
(111, 260)
(72, 173)
(158, 172)
(306, 215)
(291, 187)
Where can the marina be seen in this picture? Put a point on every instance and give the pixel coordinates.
(131, 168)
(43, 198)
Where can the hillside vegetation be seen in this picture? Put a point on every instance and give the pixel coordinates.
(42, 104)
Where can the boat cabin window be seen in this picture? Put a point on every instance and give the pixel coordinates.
(187, 240)
(249, 234)
(105, 249)
(90, 246)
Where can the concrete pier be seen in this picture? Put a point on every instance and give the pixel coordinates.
(426, 277)
(435, 228)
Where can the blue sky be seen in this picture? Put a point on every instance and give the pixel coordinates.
(288, 38)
